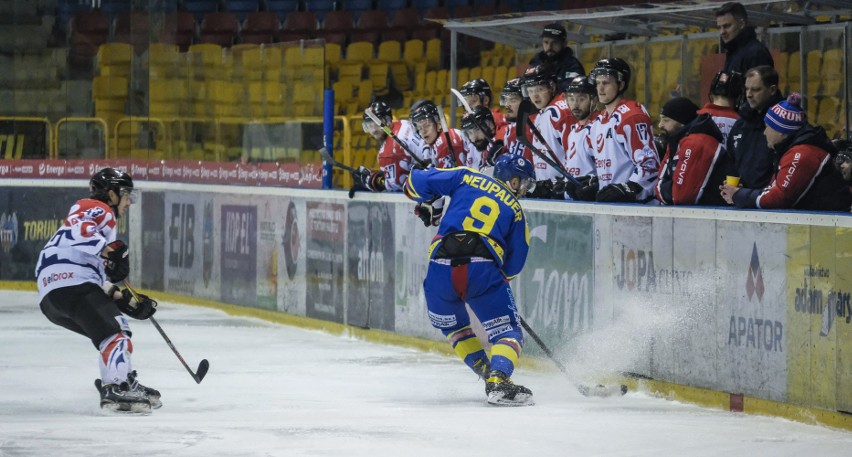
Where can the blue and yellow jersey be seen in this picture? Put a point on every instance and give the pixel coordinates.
(478, 203)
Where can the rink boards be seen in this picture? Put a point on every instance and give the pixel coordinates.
(746, 302)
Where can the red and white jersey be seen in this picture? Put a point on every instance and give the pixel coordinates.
(624, 148)
(551, 122)
(393, 161)
(580, 155)
(440, 152)
(73, 255)
(509, 135)
(724, 116)
(408, 135)
(500, 121)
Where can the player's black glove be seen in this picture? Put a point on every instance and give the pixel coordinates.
(560, 186)
(588, 189)
(424, 165)
(543, 189)
(430, 214)
(118, 262)
(366, 179)
(496, 149)
(143, 309)
(624, 192)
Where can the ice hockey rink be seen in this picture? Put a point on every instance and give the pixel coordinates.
(276, 390)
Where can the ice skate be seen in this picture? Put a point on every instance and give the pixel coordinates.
(502, 391)
(153, 395)
(119, 398)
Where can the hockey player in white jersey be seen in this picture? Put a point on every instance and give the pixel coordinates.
(553, 117)
(625, 157)
(72, 269)
(431, 140)
(394, 161)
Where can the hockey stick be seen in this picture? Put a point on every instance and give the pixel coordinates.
(524, 141)
(387, 130)
(199, 374)
(447, 136)
(488, 135)
(598, 390)
(328, 158)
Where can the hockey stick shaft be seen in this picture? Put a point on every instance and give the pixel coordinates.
(390, 133)
(535, 131)
(199, 373)
(524, 141)
(328, 158)
(447, 136)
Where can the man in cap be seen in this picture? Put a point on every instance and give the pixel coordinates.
(556, 52)
(804, 178)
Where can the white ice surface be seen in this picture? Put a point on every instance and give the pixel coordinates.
(274, 390)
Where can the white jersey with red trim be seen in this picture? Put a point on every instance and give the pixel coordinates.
(393, 161)
(724, 116)
(580, 155)
(509, 135)
(73, 255)
(624, 148)
(551, 122)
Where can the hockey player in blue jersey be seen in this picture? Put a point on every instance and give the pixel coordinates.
(482, 243)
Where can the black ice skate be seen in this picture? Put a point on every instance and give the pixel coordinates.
(502, 391)
(120, 398)
(152, 395)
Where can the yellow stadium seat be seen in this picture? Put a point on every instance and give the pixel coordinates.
(433, 53)
(501, 75)
(442, 84)
(430, 84)
(365, 93)
(314, 56)
(463, 75)
(164, 60)
(359, 51)
(333, 54)
(379, 77)
(794, 70)
(412, 53)
(475, 73)
(115, 59)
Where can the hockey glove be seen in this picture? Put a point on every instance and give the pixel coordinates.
(143, 309)
(496, 149)
(543, 189)
(366, 179)
(118, 262)
(588, 190)
(560, 187)
(624, 192)
(430, 214)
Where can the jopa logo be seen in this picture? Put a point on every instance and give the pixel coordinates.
(754, 281)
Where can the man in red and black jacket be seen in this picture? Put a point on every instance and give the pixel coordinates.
(693, 162)
(806, 177)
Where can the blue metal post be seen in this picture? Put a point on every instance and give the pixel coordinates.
(328, 135)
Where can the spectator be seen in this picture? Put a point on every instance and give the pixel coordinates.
(804, 178)
(551, 119)
(725, 93)
(510, 101)
(751, 158)
(477, 92)
(739, 40)
(843, 161)
(556, 52)
(693, 156)
(394, 162)
(625, 157)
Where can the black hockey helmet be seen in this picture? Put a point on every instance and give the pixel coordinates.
(381, 109)
(512, 87)
(844, 151)
(478, 87)
(110, 179)
(538, 75)
(612, 67)
(424, 109)
(581, 85)
(481, 116)
(729, 85)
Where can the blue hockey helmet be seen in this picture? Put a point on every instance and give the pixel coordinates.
(508, 166)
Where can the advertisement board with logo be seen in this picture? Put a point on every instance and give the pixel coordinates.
(291, 247)
(370, 266)
(29, 216)
(238, 248)
(24, 139)
(751, 308)
(326, 237)
(182, 257)
(818, 295)
(838, 316)
(554, 291)
(268, 224)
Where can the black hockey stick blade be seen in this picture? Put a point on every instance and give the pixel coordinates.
(201, 371)
(328, 158)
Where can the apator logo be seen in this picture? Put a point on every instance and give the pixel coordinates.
(754, 282)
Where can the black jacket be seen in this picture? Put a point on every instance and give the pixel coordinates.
(563, 62)
(745, 52)
(751, 158)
